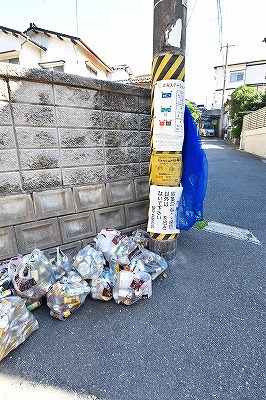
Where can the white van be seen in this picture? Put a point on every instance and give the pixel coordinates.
(207, 129)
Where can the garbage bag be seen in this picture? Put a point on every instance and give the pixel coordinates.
(33, 275)
(13, 264)
(5, 279)
(115, 246)
(101, 286)
(89, 262)
(131, 287)
(194, 176)
(146, 261)
(141, 237)
(16, 324)
(60, 264)
(67, 295)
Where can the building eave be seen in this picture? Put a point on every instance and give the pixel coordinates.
(18, 33)
(257, 62)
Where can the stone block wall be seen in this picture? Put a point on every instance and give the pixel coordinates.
(74, 156)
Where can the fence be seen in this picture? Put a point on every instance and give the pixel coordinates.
(74, 158)
(253, 136)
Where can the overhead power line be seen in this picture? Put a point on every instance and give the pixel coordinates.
(192, 12)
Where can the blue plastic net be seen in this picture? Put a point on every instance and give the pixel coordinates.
(194, 176)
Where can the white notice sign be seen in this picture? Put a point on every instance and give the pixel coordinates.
(169, 106)
(162, 212)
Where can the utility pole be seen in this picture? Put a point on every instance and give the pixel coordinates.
(224, 83)
(167, 125)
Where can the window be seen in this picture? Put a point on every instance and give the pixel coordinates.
(13, 61)
(10, 56)
(236, 76)
(57, 68)
(53, 65)
(92, 71)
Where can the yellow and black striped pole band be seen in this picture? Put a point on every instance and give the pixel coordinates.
(163, 236)
(168, 66)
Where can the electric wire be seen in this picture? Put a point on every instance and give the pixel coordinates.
(192, 11)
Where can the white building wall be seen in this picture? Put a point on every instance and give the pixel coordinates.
(9, 42)
(253, 74)
(256, 74)
(73, 55)
(30, 55)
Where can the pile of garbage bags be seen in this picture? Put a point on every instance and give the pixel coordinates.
(116, 266)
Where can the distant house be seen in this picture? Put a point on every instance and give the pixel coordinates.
(251, 73)
(41, 48)
(137, 80)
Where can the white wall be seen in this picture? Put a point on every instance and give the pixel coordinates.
(9, 42)
(256, 74)
(254, 141)
(30, 55)
(73, 55)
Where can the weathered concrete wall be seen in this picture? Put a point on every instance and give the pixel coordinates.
(74, 155)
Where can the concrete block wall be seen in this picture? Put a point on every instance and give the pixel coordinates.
(74, 157)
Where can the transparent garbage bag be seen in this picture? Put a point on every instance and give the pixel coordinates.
(13, 264)
(141, 237)
(146, 261)
(67, 295)
(7, 269)
(16, 324)
(60, 264)
(89, 262)
(101, 287)
(106, 242)
(33, 275)
(131, 287)
(115, 246)
(5, 280)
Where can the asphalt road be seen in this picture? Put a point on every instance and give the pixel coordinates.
(200, 336)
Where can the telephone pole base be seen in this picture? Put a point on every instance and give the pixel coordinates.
(165, 248)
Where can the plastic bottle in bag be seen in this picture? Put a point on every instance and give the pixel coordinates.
(16, 324)
(89, 262)
(33, 275)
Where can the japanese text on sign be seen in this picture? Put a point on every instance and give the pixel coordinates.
(166, 168)
(162, 213)
(169, 105)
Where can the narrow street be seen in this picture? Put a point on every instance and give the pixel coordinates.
(201, 336)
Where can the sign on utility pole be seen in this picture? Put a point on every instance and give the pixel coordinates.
(167, 126)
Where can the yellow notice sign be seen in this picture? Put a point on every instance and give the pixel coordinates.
(166, 168)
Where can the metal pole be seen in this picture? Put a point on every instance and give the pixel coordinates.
(224, 83)
(167, 130)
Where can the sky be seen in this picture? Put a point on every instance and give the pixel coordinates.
(121, 32)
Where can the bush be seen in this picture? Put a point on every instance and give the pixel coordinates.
(244, 98)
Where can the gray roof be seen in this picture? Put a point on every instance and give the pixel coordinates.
(18, 33)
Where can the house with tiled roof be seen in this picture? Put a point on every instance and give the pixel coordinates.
(18, 48)
(42, 48)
